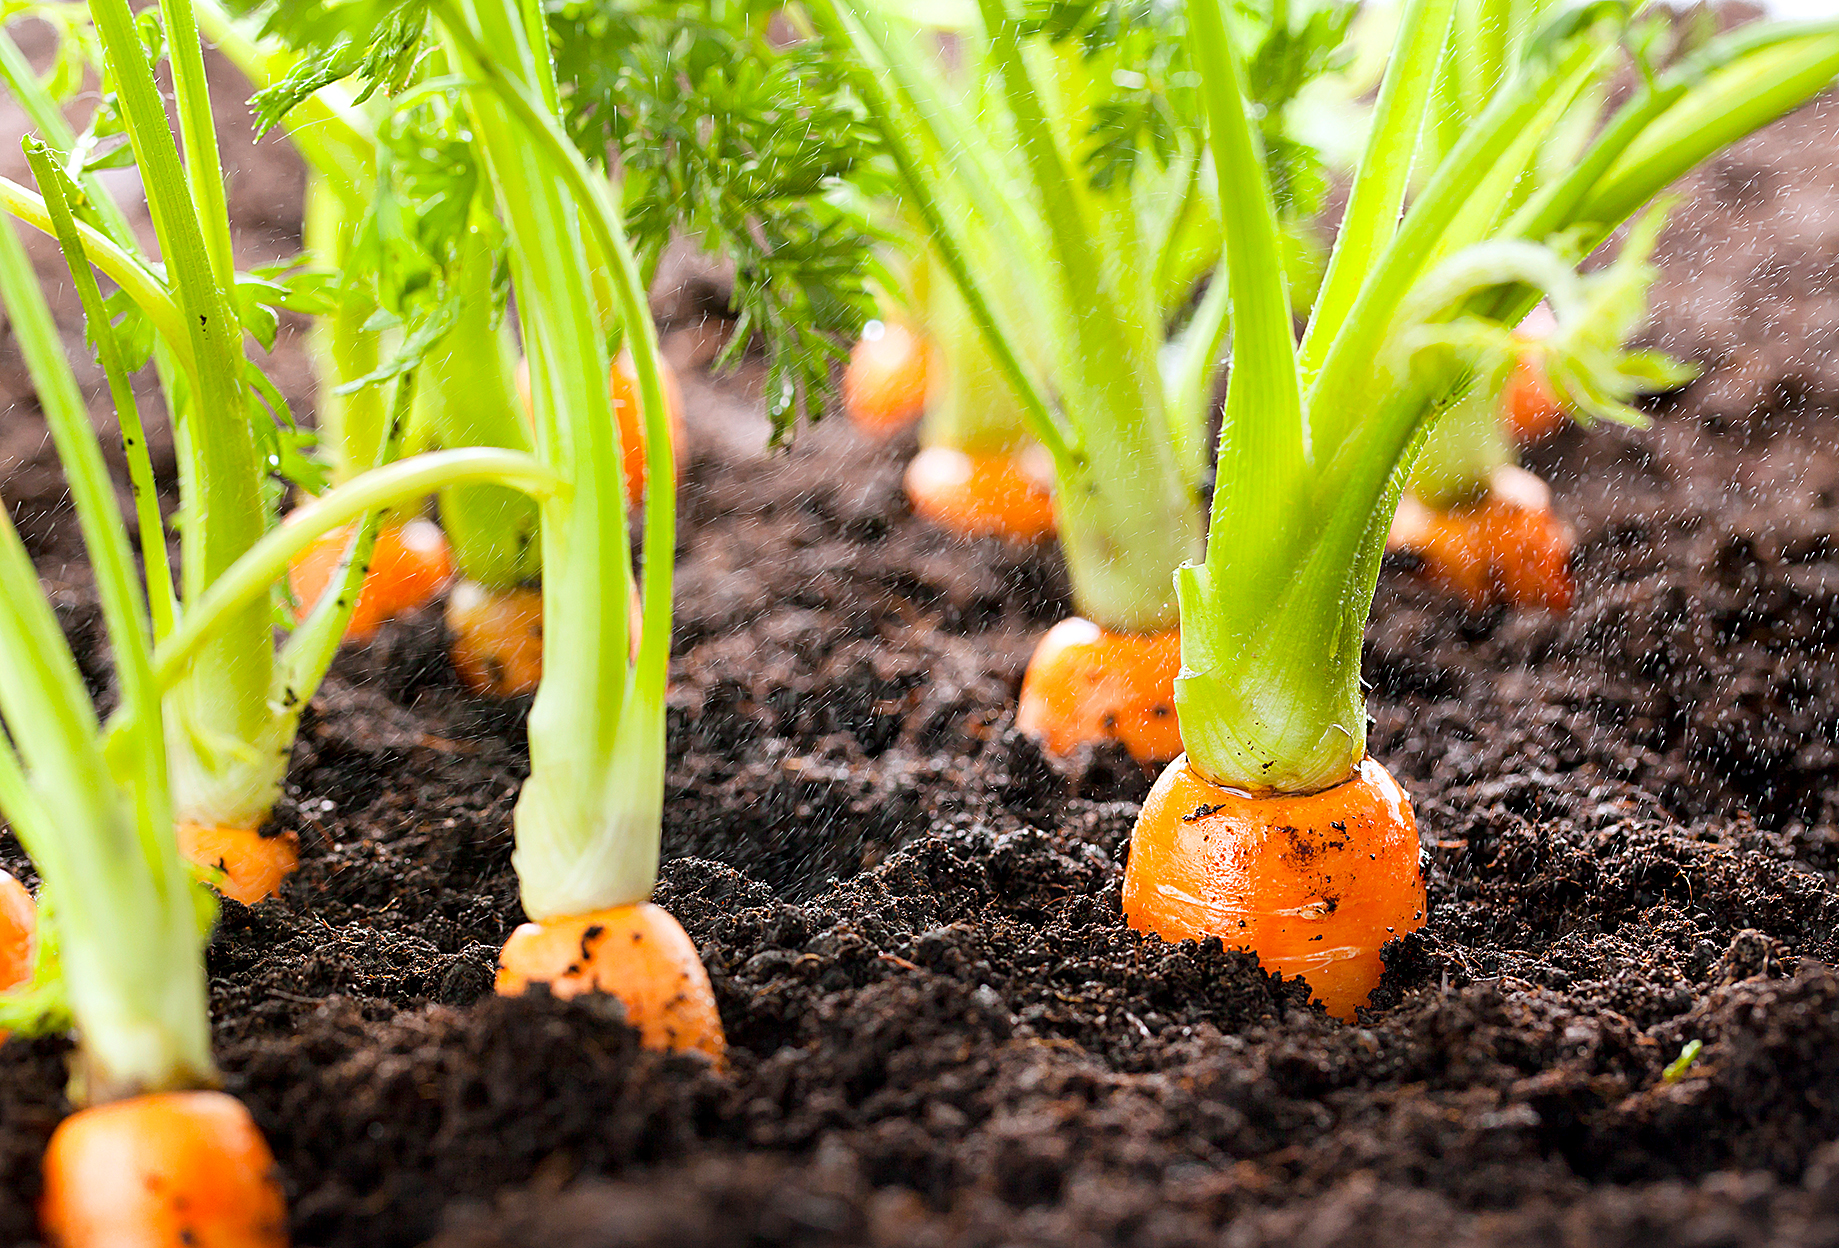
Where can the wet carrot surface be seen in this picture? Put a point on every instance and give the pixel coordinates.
(1314, 885)
(981, 495)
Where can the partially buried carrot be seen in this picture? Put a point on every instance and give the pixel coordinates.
(1314, 884)
(884, 386)
(1086, 684)
(18, 932)
(639, 954)
(498, 637)
(240, 863)
(408, 566)
(983, 495)
(1530, 408)
(623, 385)
(1509, 546)
(162, 1170)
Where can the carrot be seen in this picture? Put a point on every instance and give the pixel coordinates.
(623, 386)
(240, 863)
(497, 638)
(638, 953)
(884, 386)
(1087, 684)
(1509, 547)
(18, 931)
(1530, 407)
(408, 566)
(981, 495)
(1313, 884)
(162, 1170)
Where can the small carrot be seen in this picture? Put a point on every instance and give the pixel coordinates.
(18, 931)
(884, 386)
(623, 385)
(982, 495)
(1087, 684)
(1313, 884)
(240, 863)
(162, 1170)
(498, 637)
(1530, 407)
(1510, 546)
(408, 566)
(638, 953)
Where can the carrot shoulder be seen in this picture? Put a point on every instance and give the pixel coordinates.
(637, 953)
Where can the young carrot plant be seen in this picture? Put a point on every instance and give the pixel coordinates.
(1070, 159)
(1480, 525)
(153, 1154)
(1276, 831)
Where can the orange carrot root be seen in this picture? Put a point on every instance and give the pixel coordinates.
(240, 863)
(497, 638)
(1511, 547)
(164, 1170)
(982, 495)
(1530, 407)
(18, 932)
(408, 566)
(1314, 885)
(623, 387)
(884, 386)
(1086, 684)
(639, 954)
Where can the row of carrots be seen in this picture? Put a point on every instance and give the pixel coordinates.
(1222, 593)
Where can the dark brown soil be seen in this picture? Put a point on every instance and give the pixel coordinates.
(944, 1034)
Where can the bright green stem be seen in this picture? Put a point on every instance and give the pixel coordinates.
(589, 818)
(115, 893)
(1126, 522)
(267, 562)
(1343, 386)
(470, 399)
(884, 110)
(121, 906)
(1461, 452)
(223, 706)
(121, 393)
(123, 268)
(1385, 168)
(198, 127)
(79, 451)
(341, 349)
(970, 405)
(1262, 456)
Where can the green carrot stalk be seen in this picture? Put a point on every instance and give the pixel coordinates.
(589, 817)
(222, 709)
(471, 400)
(96, 822)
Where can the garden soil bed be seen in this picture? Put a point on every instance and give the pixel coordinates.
(942, 1031)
